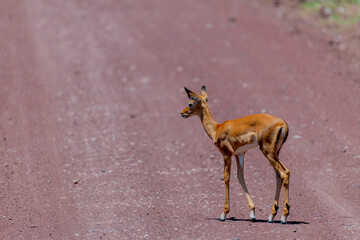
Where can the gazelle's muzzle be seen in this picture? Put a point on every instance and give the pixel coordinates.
(184, 115)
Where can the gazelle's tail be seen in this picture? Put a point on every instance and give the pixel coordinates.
(281, 137)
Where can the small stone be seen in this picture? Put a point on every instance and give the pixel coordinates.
(179, 69)
(332, 42)
(325, 12)
(294, 30)
(343, 46)
(145, 80)
(341, 10)
(232, 19)
(196, 79)
(209, 26)
(132, 68)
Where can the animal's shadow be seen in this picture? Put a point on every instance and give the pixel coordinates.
(233, 219)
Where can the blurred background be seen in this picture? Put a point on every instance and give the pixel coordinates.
(92, 142)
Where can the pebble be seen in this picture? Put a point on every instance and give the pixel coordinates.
(325, 12)
(232, 19)
(132, 68)
(341, 10)
(209, 26)
(179, 69)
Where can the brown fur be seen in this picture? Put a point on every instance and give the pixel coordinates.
(270, 133)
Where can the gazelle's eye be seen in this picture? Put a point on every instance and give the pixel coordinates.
(190, 105)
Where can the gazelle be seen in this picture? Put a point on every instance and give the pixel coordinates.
(235, 138)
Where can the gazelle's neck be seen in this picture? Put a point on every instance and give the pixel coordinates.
(208, 121)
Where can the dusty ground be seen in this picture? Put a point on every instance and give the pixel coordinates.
(340, 35)
(93, 146)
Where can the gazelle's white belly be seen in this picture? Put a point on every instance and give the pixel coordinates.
(246, 147)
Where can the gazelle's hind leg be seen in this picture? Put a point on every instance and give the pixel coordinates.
(285, 178)
(286, 182)
(271, 148)
(277, 195)
(240, 176)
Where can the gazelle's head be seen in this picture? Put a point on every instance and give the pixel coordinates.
(194, 105)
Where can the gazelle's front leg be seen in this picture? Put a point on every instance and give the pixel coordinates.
(240, 176)
(227, 170)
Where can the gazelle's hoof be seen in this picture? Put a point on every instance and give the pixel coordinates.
(271, 218)
(222, 217)
(283, 219)
(252, 216)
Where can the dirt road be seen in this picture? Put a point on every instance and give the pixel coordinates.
(93, 145)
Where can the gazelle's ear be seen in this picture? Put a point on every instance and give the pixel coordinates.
(203, 93)
(192, 95)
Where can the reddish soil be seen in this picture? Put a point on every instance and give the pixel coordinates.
(93, 145)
